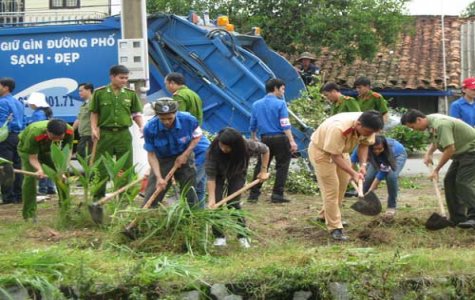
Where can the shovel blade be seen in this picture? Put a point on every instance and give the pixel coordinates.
(369, 205)
(97, 213)
(437, 222)
(131, 233)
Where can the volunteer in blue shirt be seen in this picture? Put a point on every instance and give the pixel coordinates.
(170, 138)
(464, 108)
(386, 159)
(200, 157)
(13, 110)
(270, 121)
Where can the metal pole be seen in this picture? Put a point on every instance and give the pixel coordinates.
(444, 64)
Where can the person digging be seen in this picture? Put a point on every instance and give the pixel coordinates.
(456, 140)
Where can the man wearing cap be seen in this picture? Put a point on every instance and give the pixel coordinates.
(170, 138)
(35, 149)
(464, 108)
(368, 100)
(113, 107)
(307, 69)
(340, 103)
(456, 140)
(187, 99)
(270, 120)
(328, 153)
(13, 112)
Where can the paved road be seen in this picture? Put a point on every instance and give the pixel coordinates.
(415, 165)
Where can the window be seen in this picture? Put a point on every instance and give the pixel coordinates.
(64, 4)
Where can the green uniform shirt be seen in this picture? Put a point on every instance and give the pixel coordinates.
(445, 131)
(34, 139)
(84, 118)
(345, 104)
(115, 111)
(373, 100)
(189, 101)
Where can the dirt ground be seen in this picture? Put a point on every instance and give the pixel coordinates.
(292, 222)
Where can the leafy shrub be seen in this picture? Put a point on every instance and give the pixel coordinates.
(411, 139)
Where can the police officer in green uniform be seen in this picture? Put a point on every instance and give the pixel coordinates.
(113, 107)
(35, 149)
(368, 100)
(340, 103)
(83, 121)
(187, 99)
(456, 140)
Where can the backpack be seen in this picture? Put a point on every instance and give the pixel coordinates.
(4, 129)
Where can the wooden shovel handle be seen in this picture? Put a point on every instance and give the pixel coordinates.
(152, 197)
(358, 188)
(236, 193)
(121, 190)
(93, 153)
(440, 201)
(24, 172)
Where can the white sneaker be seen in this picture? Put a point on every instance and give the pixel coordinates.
(220, 242)
(244, 243)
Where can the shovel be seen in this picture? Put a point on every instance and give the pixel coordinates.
(7, 174)
(129, 230)
(436, 221)
(236, 193)
(369, 204)
(96, 210)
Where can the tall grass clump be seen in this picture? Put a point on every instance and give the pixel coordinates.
(180, 227)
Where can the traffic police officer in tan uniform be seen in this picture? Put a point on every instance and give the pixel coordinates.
(328, 152)
(113, 107)
(35, 149)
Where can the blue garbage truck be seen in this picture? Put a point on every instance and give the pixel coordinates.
(228, 70)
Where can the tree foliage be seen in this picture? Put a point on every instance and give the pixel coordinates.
(469, 11)
(355, 28)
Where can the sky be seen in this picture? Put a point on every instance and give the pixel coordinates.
(415, 7)
(437, 7)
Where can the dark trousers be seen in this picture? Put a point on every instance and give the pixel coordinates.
(8, 150)
(84, 146)
(459, 183)
(279, 147)
(185, 176)
(227, 187)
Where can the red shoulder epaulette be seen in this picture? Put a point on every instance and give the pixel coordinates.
(41, 137)
(377, 95)
(69, 131)
(348, 131)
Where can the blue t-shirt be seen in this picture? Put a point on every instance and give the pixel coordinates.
(269, 116)
(167, 142)
(463, 110)
(384, 166)
(11, 106)
(37, 115)
(200, 151)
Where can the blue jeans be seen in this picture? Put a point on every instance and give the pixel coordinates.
(46, 185)
(201, 185)
(391, 179)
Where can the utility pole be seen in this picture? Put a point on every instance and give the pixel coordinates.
(134, 26)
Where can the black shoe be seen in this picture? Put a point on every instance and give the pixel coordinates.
(279, 200)
(350, 194)
(252, 199)
(470, 223)
(51, 192)
(338, 235)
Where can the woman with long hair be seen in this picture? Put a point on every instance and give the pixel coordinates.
(386, 159)
(226, 168)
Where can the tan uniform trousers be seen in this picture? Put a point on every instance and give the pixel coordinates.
(332, 182)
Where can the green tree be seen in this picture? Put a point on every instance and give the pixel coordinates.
(469, 11)
(356, 28)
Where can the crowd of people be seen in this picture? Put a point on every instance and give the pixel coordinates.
(173, 139)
